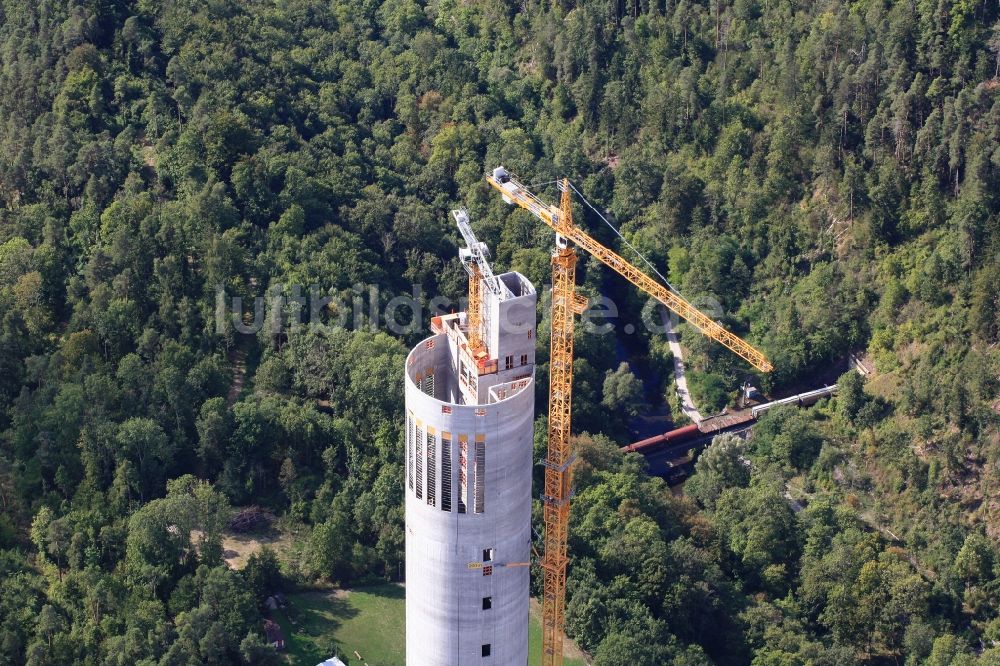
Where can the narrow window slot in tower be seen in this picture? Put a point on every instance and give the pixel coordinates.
(409, 450)
(431, 467)
(445, 471)
(420, 462)
(463, 477)
(480, 474)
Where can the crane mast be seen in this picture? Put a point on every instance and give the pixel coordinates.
(566, 303)
(475, 259)
(558, 461)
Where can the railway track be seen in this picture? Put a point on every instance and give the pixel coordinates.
(669, 455)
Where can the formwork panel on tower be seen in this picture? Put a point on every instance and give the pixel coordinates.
(468, 470)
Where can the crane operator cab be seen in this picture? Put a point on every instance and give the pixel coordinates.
(502, 177)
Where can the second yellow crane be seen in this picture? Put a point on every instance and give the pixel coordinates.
(565, 304)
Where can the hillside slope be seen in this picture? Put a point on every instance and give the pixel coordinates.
(824, 176)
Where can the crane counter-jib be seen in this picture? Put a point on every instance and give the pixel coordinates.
(514, 192)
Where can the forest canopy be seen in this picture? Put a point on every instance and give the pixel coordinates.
(827, 172)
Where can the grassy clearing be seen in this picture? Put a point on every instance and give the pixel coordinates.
(535, 646)
(321, 624)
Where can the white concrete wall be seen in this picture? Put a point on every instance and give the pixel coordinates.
(512, 324)
(445, 622)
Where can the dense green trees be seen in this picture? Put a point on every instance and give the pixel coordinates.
(720, 466)
(823, 178)
(643, 574)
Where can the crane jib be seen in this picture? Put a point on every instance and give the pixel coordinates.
(514, 192)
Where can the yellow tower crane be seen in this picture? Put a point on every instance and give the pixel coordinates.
(474, 258)
(565, 304)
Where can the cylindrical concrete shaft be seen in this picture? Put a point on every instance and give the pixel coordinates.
(468, 514)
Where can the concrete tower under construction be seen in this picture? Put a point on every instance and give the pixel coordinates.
(469, 416)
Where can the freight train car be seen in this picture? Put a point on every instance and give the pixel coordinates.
(670, 437)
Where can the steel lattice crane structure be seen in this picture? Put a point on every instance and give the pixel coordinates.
(475, 259)
(565, 304)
